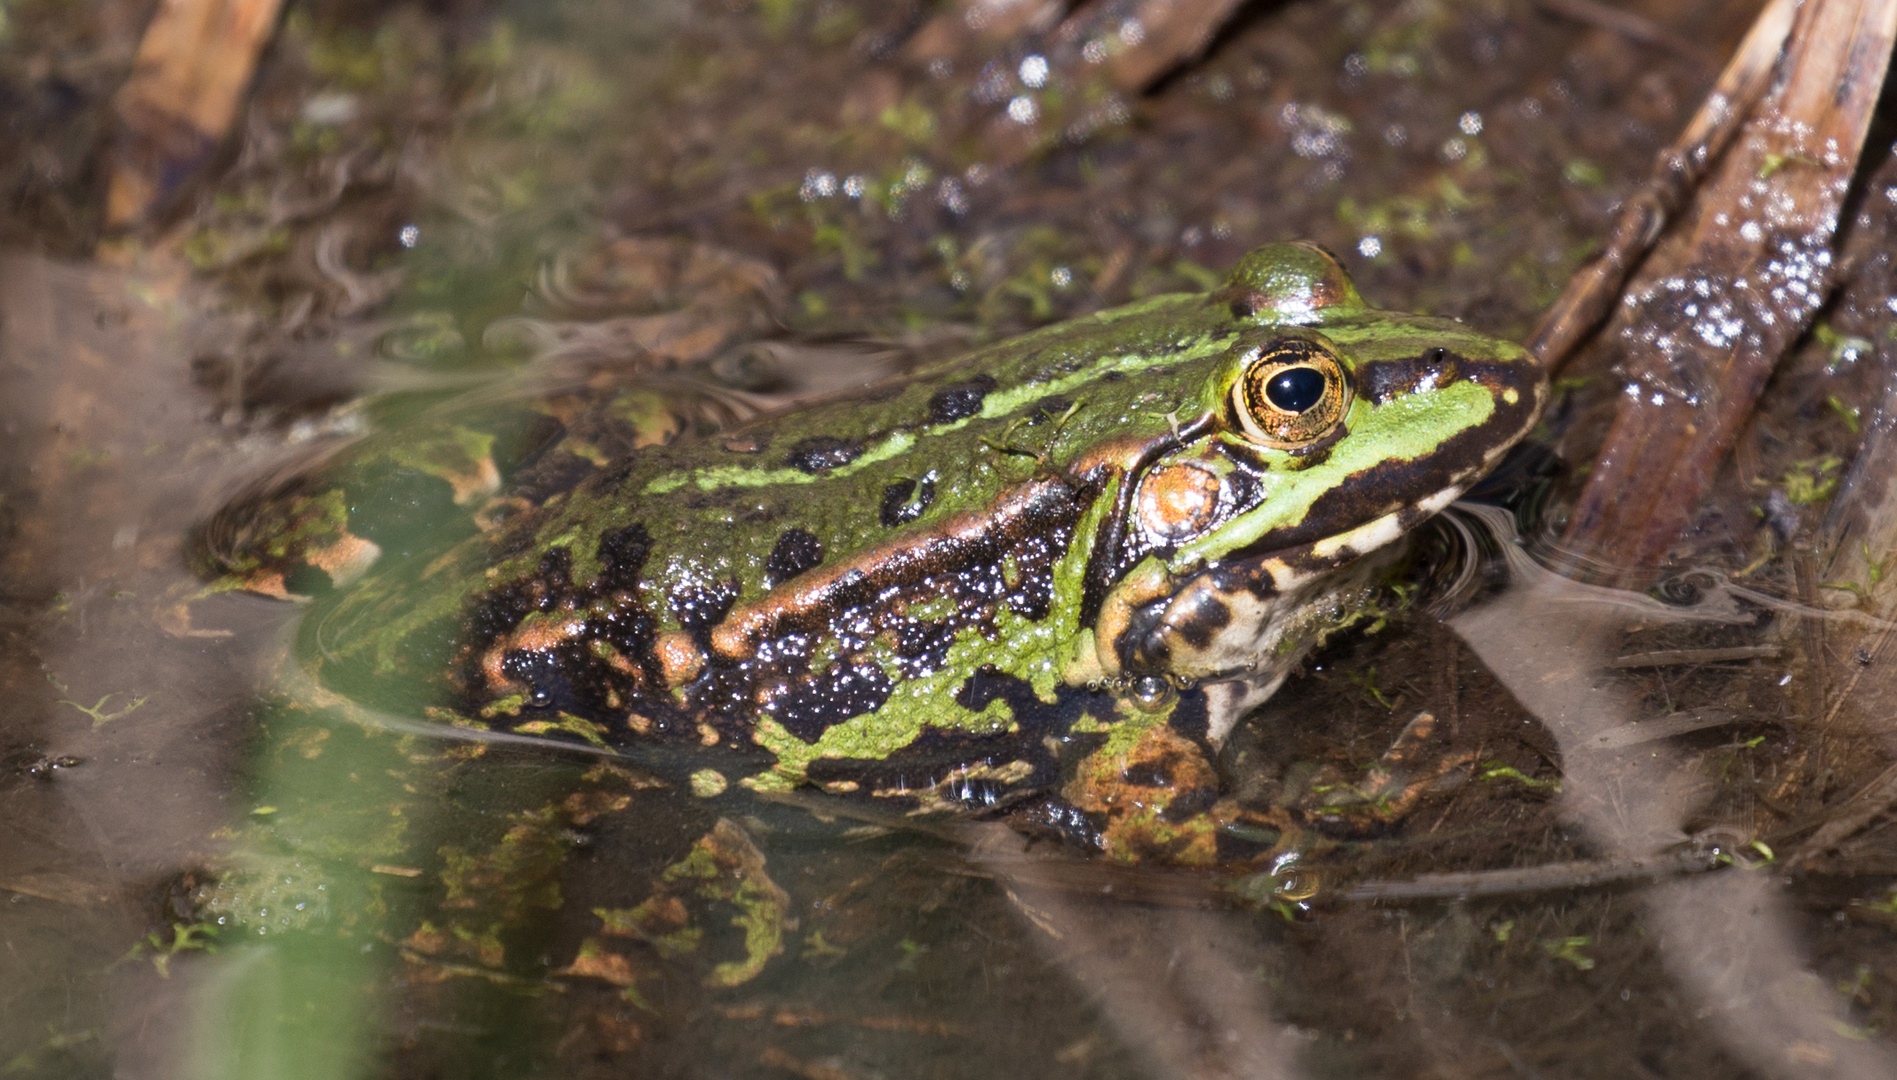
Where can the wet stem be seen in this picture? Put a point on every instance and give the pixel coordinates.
(184, 938)
(97, 711)
(1367, 683)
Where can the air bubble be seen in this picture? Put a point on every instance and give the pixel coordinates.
(1152, 692)
(817, 185)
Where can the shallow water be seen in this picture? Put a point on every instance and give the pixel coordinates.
(209, 870)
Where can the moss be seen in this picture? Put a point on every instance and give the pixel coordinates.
(724, 869)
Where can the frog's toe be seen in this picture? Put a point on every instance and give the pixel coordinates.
(1051, 817)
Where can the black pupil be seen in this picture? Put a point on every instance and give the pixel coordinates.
(1295, 389)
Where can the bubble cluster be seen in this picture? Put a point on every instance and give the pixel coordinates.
(1315, 131)
(1679, 317)
(817, 185)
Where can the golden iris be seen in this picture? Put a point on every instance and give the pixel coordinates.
(1291, 394)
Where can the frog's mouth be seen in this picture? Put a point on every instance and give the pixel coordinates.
(1240, 627)
(1250, 616)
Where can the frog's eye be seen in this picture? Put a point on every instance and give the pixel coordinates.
(1291, 394)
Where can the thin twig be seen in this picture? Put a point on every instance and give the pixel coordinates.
(1676, 657)
(1591, 294)
(1531, 879)
(1625, 23)
(1666, 727)
(1862, 808)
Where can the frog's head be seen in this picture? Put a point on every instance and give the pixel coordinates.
(1326, 431)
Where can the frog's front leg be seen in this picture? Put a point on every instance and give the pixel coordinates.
(1152, 782)
(1238, 628)
(1391, 788)
(1189, 657)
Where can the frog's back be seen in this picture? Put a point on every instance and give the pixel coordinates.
(783, 582)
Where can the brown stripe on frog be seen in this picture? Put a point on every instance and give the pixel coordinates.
(546, 638)
(806, 602)
(1381, 380)
(1044, 504)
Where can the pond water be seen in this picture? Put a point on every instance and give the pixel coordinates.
(214, 864)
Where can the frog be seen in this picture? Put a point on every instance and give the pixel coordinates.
(1045, 578)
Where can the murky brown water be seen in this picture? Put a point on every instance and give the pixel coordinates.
(201, 883)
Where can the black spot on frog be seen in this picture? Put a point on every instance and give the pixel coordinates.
(1054, 407)
(622, 555)
(923, 646)
(960, 401)
(699, 609)
(906, 500)
(550, 475)
(795, 552)
(555, 573)
(837, 694)
(989, 684)
(823, 453)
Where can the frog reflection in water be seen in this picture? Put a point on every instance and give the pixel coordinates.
(1052, 573)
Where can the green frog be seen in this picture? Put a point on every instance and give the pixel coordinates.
(1050, 574)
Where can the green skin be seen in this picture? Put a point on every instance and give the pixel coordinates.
(950, 588)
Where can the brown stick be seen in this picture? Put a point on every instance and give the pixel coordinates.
(1671, 657)
(1752, 270)
(1174, 33)
(1590, 294)
(194, 65)
(1531, 879)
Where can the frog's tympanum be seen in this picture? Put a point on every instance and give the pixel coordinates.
(1059, 568)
